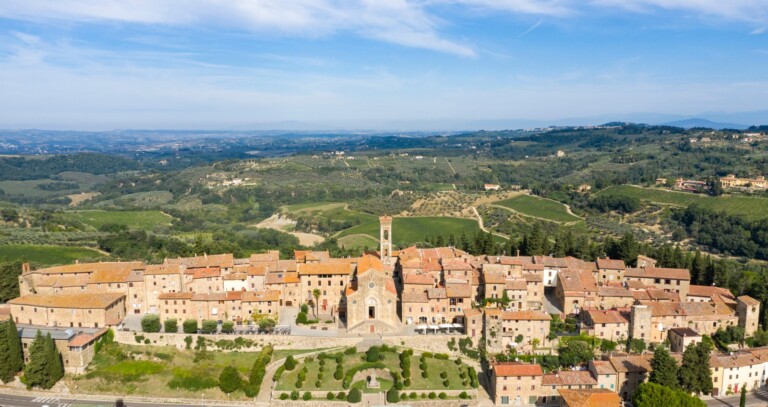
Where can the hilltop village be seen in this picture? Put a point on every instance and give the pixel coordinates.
(499, 302)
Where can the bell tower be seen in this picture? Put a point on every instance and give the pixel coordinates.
(385, 239)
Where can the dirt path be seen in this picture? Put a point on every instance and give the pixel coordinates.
(536, 217)
(282, 223)
(482, 226)
(451, 165)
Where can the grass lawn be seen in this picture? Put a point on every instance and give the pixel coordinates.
(752, 208)
(147, 370)
(410, 230)
(143, 220)
(539, 207)
(30, 188)
(48, 255)
(391, 362)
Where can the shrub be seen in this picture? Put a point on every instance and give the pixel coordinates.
(446, 383)
(317, 384)
(413, 395)
(304, 308)
(341, 395)
(407, 382)
(294, 395)
(398, 385)
(230, 380)
(403, 396)
(139, 338)
(330, 396)
(301, 318)
(228, 327)
(372, 355)
(190, 326)
(432, 395)
(150, 323)
(339, 373)
(171, 326)
(443, 375)
(354, 396)
(306, 396)
(458, 362)
(284, 396)
(209, 326)
(290, 363)
(424, 374)
(442, 395)
(188, 342)
(441, 356)
(393, 396)
(191, 380)
(350, 351)
(463, 395)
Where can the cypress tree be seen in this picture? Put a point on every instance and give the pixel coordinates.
(14, 361)
(55, 366)
(5, 369)
(36, 372)
(664, 368)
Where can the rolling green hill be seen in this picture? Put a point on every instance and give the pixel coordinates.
(752, 208)
(539, 208)
(47, 255)
(143, 220)
(407, 231)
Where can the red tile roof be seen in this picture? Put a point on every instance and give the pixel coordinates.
(517, 369)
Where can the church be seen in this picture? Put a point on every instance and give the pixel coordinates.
(371, 298)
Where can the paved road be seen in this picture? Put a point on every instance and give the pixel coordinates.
(7, 400)
(757, 398)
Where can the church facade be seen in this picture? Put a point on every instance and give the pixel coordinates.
(372, 299)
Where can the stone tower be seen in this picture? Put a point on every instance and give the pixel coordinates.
(640, 323)
(748, 309)
(385, 239)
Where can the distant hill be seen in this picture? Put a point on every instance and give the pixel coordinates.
(696, 122)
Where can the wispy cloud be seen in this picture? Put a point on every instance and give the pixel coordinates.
(531, 28)
(759, 30)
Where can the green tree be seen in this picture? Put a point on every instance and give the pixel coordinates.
(575, 353)
(654, 395)
(171, 325)
(150, 323)
(316, 296)
(11, 357)
(354, 395)
(392, 395)
(290, 363)
(695, 376)
(190, 326)
(664, 368)
(37, 372)
(230, 380)
(55, 364)
(743, 399)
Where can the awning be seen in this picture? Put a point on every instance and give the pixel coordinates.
(421, 326)
(458, 326)
(434, 327)
(446, 326)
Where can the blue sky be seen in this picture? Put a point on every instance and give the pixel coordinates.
(376, 64)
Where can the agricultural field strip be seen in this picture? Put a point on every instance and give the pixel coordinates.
(540, 208)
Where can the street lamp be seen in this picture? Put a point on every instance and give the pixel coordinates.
(202, 403)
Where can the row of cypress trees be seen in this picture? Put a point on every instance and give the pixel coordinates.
(45, 366)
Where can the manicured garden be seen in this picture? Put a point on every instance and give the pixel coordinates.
(425, 376)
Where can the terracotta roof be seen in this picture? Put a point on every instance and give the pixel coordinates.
(589, 397)
(613, 292)
(80, 301)
(533, 267)
(688, 332)
(458, 290)
(249, 270)
(261, 296)
(175, 296)
(281, 277)
(413, 296)
(516, 369)
(235, 277)
(711, 310)
(610, 264)
(84, 338)
(204, 261)
(209, 296)
(606, 317)
(635, 285)
(656, 294)
(389, 285)
(323, 269)
(516, 284)
(569, 378)
(436, 293)
(659, 272)
(308, 255)
(580, 281)
(472, 312)
(454, 264)
(270, 256)
(516, 261)
(603, 367)
(531, 277)
(369, 262)
(707, 291)
(55, 281)
(91, 267)
(206, 273)
(234, 295)
(525, 316)
(494, 278)
(419, 279)
(638, 363)
(748, 300)
(159, 269)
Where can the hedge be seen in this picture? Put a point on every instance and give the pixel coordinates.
(190, 326)
(150, 323)
(228, 327)
(354, 396)
(171, 326)
(209, 326)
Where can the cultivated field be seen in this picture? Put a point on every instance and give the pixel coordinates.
(47, 255)
(142, 220)
(411, 230)
(539, 208)
(750, 207)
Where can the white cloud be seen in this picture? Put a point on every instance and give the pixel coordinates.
(754, 11)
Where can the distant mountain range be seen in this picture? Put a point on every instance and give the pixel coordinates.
(696, 122)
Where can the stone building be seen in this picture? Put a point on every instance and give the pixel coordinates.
(69, 310)
(371, 300)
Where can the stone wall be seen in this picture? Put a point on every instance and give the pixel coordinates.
(277, 341)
